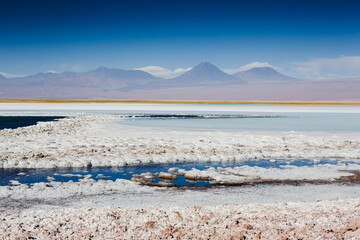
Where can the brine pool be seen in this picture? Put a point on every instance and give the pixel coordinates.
(31, 176)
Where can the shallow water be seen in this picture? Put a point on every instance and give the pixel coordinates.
(195, 116)
(12, 122)
(251, 121)
(30, 176)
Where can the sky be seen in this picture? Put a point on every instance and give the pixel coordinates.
(306, 39)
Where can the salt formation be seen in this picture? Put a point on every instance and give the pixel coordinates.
(246, 174)
(156, 212)
(94, 141)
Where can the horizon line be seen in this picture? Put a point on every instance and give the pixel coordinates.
(179, 102)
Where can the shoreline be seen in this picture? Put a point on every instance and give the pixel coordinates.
(330, 103)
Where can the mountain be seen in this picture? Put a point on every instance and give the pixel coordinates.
(204, 74)
(263, 74)
(103, 78)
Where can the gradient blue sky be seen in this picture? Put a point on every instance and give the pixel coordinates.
(301, 38)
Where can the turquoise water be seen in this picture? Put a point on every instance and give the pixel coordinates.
(253, 121)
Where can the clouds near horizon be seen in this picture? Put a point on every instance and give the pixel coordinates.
(340, 67)
(10, 75)
(163, 72)
(167, 73)
(250, 66)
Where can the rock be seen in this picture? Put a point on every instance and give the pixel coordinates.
(248, 226)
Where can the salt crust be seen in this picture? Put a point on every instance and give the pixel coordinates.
(57, 144)
(58, 190)
(320, 220)
(247, 174)
(98, 141)
(85, 141)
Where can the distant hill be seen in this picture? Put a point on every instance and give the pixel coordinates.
(263, 74)
(102, 78)
(204, 74)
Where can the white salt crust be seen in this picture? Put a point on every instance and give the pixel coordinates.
(96, 141)
(157, 213)
(58, 190)
(320, 220)
(247, 174)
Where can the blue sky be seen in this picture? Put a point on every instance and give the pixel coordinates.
(310, 39)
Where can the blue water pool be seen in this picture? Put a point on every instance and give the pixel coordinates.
(12, 122)
(30, 176)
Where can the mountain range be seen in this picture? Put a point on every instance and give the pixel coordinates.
(203, 82)
(99, 78)
(204, 74)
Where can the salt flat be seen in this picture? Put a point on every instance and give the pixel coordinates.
(90, 140)
(98, 141)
